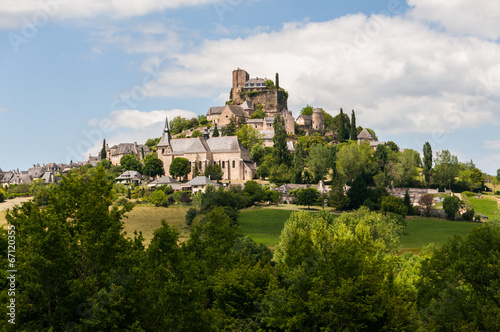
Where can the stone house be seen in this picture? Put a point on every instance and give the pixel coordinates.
(116, 152)
(227, 152)
(129, 177)
(366, 137)
(199, 183)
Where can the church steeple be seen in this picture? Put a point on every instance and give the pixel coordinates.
(166, 138)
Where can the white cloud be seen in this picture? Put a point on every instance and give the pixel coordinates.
(472, 17)
(397, 73)
(492, 145)
(15, 14)
(130, 126)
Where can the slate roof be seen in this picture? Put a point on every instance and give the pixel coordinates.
(236, 110)
(256, 80)
(129, 175)
(305, 117)
(215, 110)
(248, 105)
(267, 134)
(225, 144)
(200, 181)
(189, 145)
(366, 135)
(164, 180)
(129, 148)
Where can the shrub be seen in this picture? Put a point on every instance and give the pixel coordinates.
(2, 196)
(167, 189)
(158, 198)
(468, 215)
(394, 204)
(121, 201)
(451, 206)
(468, 193)
(185, 198)
(190, 215)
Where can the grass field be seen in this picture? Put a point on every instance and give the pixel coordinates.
(265, 225)
(486, 205)
(148, 218)
(421, 232)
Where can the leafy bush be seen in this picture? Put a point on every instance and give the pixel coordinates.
(468, 215)
(121, 201)
(167, 189)
(451, 206)
(394, 204)
(2, 196)
(22, 188)
(158, 198)
(190, 215)
(468, 193)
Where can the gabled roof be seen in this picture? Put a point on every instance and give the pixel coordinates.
(248, 105)
(200, 181)
(256, 80)
(225, 144)
(305, 117)
(129, 175)
(165, 180)
(189, 145)
(236, 110)
(365, 134)
(215, 110)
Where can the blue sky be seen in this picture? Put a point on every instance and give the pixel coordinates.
(74, 73)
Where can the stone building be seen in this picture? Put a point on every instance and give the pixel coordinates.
(367, 137)
(116, 152)
(227, 152)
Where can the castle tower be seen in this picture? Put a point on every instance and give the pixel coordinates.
(240, 76)
(318, 120)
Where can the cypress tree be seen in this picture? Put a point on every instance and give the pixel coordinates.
(279, 140)
(216, 131)
(103, 150)
(354, 131)
(427, 166)
(277, 83)
(341, 129)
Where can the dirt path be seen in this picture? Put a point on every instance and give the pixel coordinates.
(9, 203)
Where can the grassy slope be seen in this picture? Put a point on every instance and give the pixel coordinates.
(486, 205)
(421, 232)
(265, 225)
(148, 218)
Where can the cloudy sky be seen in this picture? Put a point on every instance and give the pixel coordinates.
(75, 72)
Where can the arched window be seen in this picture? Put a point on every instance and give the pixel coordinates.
(223, 164)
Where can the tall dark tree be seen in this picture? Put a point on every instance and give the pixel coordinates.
(298, 162)
(103, 150)
(130, 162)
(216, 131)
(341, 130)
(354, 132)
(279, 140)
(277, 81)
(230, 128)
(153, 166)
(427, 162)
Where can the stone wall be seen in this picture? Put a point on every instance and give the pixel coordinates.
(273, 101)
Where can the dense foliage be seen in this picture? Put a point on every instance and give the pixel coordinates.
(77, 271)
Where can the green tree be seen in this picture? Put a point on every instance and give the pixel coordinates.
(319, 161)
(103, 150)
(179, 167)
(214, 172)
(130, 162)
(178, 125)
(197, 166)
(342, 131)
(282, 154)
(216, 131)
(452, 206)
(230, 128)
(196, 133)
(427, 162)
(354, 133)
(394, 205)
(426, 202)
(270, 85)
(255, 191)
(298, 162)
(249, 136)
(153, 166)
(307, 196)
(459, 284)
(392, 146)
(258, 114)
(74, 257)
(307, 110)
(404, 170)
(277, 81)
(446, 169)
(353, 160)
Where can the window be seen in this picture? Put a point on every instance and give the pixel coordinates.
(234, 164)
(258, 84)
(223, 164)
(251, 84)
(246, 84)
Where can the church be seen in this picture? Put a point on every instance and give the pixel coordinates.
(227, 152)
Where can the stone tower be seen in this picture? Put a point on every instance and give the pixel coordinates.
(240, 76)
(318, 120)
